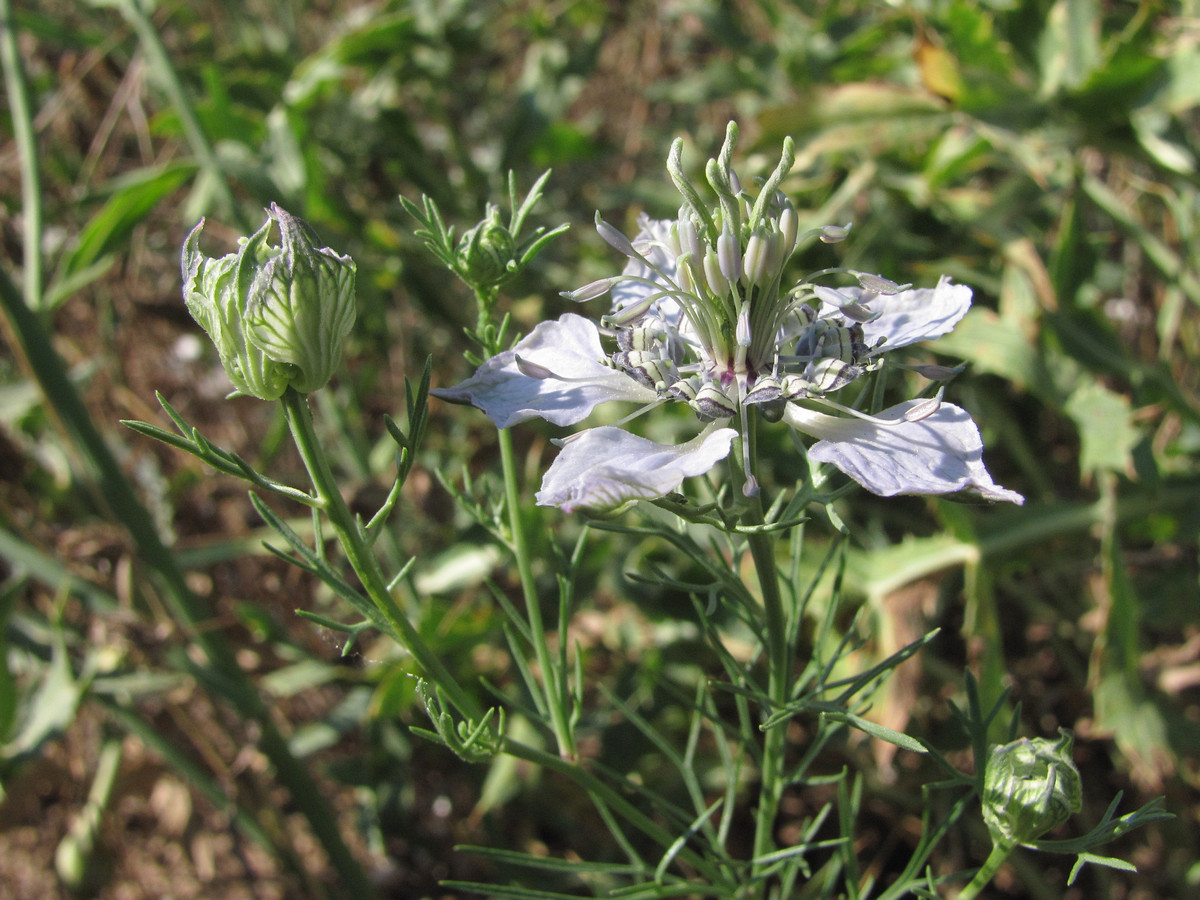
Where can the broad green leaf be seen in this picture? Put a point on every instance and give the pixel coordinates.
(1107, 434)
(1070, 45)
(460, 567)
(1137, 724)
(49, 710)
(858, 117)
(993, 345)
(300, 676)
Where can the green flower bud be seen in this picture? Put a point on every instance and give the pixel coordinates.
(277, 315)
(1029, 787)
(484, 253)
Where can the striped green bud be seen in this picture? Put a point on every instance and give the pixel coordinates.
(486, 251)
(1029, 787)
(277, 314)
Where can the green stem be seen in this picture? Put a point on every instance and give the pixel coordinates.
(23, 137)
(779, 669)
(991, 865)
(75, 856)
(186, 609)
(555, 693)
(520, 546)
(361, 558)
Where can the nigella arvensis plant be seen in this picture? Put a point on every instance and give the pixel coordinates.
(702, 315)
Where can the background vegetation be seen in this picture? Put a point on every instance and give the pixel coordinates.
(1043, 152)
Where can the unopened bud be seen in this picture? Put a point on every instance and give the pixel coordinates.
(485, 253)
(277, 315)
(1029, 787)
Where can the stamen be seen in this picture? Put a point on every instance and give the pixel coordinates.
(742, 332)
(615, 239)
(639, 412)
(689, 240)
(925, 408)
(933, 372)
(922, 410)
(758, 254)
(590, 291)
(717, 282)
(634, 312)
(879, 284)
(832, 234)
(531, 369)
(729, 255)
(789, 222)
(750, 488)
(849, 307)
(563, 441)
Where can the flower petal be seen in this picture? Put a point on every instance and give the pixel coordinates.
(913, 316)
(577, 379)
(605, 468)
(939, 454)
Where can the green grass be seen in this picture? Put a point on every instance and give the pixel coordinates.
(1043, 153)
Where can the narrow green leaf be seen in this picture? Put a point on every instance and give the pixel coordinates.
(507, 892)
(547, 863)
(890, 735)
(1110, 861)
(132, 198)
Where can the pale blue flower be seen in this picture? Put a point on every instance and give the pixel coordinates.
(700, 316)
(606, 467)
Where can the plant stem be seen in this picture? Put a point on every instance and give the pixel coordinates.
(520, 546)
(551, 682)
(779, 666)
(360, 556)
(1000, 852)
